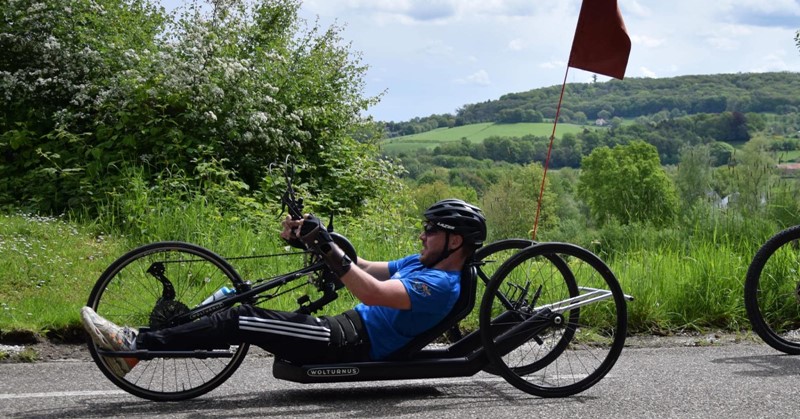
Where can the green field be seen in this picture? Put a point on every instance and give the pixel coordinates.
(476, 133)
(788, 156)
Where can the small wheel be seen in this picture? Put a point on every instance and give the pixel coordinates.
(553, 320)
(490, 257)
(772, 291)
(130, 293)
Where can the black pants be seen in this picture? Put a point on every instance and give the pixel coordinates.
(294, 337)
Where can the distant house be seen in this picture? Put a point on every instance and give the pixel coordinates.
(600, 122)
(789, 168)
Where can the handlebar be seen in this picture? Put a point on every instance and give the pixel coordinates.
(289, 200)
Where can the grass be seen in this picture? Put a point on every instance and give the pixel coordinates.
(476, 133)
(788, 156)
(675, 290)
(49, 267)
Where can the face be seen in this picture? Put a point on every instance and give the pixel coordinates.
(432, 243)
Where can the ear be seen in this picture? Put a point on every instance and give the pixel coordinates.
(456, 240)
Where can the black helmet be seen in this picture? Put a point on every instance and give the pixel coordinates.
(459, 217)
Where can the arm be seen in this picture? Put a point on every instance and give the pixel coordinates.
(368, 281)
(379, 270)
(374, 292)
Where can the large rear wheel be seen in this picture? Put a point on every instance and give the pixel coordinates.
(148, 287)
(553, 320)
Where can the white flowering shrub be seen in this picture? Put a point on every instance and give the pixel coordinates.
(89, 87)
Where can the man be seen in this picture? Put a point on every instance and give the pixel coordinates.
(399, 300)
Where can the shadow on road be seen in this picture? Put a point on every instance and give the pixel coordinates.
(379, 400)
(764, 365)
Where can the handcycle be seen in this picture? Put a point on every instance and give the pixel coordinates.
(552, 319)
(772, 291)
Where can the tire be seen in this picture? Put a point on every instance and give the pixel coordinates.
(570, 352)
(772, 291)
(502, 302)
(491, 257)
(127, 294)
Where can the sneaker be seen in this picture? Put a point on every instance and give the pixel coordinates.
(110, 337)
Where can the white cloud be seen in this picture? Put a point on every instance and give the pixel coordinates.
(516, 44)
(634, 8)
(646, 41)
(771, 62)
(553, 64)
(722, 43)
(646, 72)
(438, 47)
(791, 7)
(480, 78)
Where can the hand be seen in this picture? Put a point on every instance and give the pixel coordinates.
(313, 233)
(291, 232)
(316, 238)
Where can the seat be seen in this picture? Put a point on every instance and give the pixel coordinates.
(462, 307)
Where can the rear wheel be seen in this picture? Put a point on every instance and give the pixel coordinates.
(149, 286)
(553, 320)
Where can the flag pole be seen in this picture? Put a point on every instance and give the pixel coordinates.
(600, 45)
(549, 149)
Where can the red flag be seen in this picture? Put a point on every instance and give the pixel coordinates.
(601, 44)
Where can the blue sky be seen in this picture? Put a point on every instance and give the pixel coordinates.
(434, 56)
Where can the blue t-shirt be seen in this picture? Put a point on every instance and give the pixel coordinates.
(433, 293)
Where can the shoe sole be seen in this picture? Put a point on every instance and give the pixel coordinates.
(117, 365)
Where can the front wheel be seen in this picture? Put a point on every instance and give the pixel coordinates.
(149, 286)
(553, 320)
(772, 291)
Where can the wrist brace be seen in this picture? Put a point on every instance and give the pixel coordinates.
(318, 240)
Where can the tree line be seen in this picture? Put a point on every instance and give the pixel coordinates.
(775, 93)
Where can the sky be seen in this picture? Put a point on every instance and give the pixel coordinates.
(435, 56)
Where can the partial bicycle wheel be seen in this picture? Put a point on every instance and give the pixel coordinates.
(772, 291)
(489, 259)
(494, 254)
(553, 320)
(147, 287)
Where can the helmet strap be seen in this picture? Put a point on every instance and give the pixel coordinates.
(447, 251)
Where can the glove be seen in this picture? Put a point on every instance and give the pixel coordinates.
(313, 233)
(316, 237)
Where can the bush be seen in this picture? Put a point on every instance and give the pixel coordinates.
(91, 87)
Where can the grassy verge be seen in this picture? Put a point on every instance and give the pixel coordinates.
(49, 267)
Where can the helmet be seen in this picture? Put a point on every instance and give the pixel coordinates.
(459, 217)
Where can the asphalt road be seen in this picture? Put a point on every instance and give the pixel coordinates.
(744, 380)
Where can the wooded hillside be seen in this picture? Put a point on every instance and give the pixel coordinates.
(777, 93)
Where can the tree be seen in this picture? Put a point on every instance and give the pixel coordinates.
(57, 58)
(753, 175)
(721, 153)
(627, 183)
(693, 177)
(126, 85)
(510, 204)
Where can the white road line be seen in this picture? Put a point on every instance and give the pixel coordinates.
(61, 394)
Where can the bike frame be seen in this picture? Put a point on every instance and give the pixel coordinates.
(463, 358)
